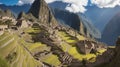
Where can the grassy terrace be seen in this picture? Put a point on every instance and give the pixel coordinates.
(3, 62)
(3, 35)
(67, 38)
(51, 59)
(22, 58)
(72, 50)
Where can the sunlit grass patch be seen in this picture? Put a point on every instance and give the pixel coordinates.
(101, 51)
(80, 37)
(111, 46)
(6, 33)
(67, 38)
(3, 62)
(6, 40)
(65, 46)
(52, 60)
(30, 30)
(73, 51)
(35, 45)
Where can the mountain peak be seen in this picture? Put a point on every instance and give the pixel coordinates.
(42, 12)
(37, 7)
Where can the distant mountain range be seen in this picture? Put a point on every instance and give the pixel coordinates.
(112, 30)
(16, 9)
(101, 16)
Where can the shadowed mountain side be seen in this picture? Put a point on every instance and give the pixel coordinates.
(77, 21)
(112, 30)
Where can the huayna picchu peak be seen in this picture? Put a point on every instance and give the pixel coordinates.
(45, 36)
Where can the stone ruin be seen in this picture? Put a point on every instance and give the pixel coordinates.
(87, 46)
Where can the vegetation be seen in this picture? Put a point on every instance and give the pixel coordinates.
(3, 62)
(52, 60)
(15, 52)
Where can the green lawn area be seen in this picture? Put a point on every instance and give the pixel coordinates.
(35, 45)
(111, 46)
(30, 30)
(6, 40)
(23, 57)
(6, 33)
(73, 51)
(67, 38)
(3, 62)
(51, 59)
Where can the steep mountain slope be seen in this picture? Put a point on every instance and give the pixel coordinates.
(111, 31)
(78, 22)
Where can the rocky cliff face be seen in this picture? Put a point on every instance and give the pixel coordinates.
(111, 31)
(41, 11)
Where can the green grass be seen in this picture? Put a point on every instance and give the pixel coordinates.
(35, 45)
(73, 51)
(52, 60)
(4, 34)
(111, 46)
(3, 62)
(23, 57)
(67, 38)
(6, 40)
(30, 30)
(6, 50)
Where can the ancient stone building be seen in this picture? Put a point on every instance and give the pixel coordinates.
(3, 27)
(87, 46)
(23, 23)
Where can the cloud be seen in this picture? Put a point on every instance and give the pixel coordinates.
(106, 3)
(76, 5)
(21, 2)
(49, 1)
(73, 5)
